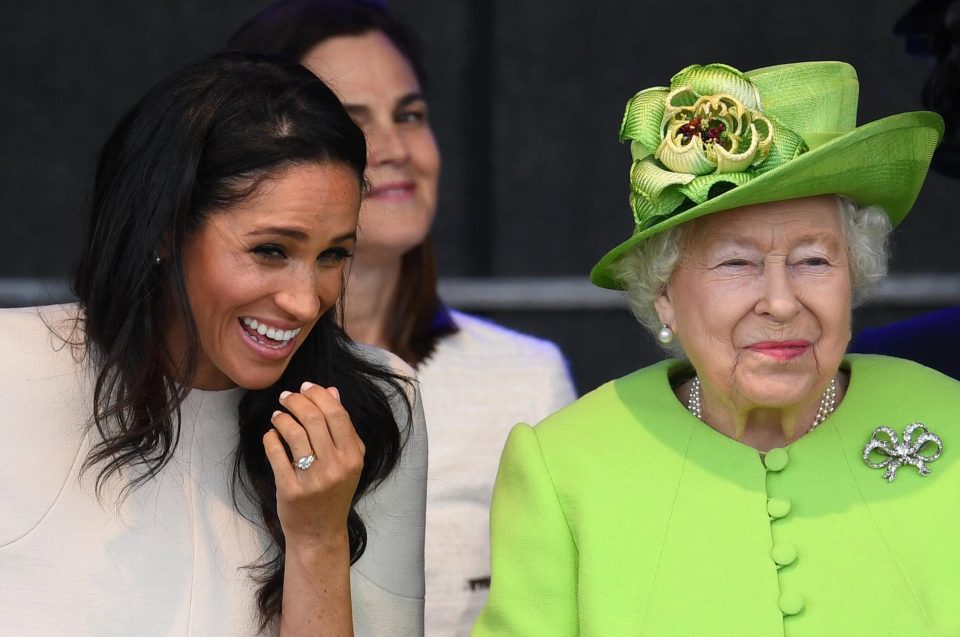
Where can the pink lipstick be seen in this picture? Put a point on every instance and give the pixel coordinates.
(781, 350)
(398, 190)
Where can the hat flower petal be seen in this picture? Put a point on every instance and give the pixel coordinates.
(718, 78)
(641, 121)
(709, 122)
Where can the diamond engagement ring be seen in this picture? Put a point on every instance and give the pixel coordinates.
(305, 462)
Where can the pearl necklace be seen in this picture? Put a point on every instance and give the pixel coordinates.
(828, 402)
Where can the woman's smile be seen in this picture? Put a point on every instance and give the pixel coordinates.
(398, 191)
(268, 341)
(781, 351)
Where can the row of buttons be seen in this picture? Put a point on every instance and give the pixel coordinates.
(783, 553)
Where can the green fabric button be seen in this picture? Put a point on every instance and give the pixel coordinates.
(778, 507)
(791, 603)
(784, 553)
(776, 459)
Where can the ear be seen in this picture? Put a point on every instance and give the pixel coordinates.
(664, 307)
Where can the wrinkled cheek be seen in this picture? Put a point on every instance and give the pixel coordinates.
(839, 333)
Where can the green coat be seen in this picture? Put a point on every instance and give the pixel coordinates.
(625, 515)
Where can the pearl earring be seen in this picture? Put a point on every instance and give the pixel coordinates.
(665, 335)
(157, 260)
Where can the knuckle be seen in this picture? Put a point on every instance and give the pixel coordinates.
(296, 435)
(355, 466)
(296, 404)
(340, 473)
(352, 462)
(313, 419)
(341, 418)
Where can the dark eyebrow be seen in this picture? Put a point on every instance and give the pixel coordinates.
(350, 236)
(292, 233)
(406, 100)
(297, 235)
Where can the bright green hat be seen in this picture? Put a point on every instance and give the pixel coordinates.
(718, 139)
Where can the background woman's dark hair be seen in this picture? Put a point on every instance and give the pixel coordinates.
(203, 139)
(292, 28)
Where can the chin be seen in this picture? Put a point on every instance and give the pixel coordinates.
(254, 386)
(257, 380)
(391, 249)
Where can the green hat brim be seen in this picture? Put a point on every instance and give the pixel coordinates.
(882, 163)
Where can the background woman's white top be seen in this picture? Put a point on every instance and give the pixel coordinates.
(477, 384)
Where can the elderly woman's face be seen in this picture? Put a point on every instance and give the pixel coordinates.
(260, 273)
(760, 301)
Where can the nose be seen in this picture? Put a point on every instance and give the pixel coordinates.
(386, 145)
(300, 298)
(778, 298)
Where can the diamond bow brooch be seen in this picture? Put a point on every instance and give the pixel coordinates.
(890, 453)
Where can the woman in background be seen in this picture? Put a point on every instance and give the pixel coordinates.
(196, 447)
(477, 379)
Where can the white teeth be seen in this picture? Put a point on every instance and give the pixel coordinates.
(270, 332)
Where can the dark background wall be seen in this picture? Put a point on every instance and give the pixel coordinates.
(526, 99)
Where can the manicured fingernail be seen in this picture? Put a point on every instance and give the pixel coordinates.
(306, 385)
(275, 414)
(334, 392)
(284, 395)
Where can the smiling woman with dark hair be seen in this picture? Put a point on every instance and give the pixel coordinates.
(196, 447)
(371, 62)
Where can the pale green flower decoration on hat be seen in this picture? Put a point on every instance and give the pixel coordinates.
(704, 134)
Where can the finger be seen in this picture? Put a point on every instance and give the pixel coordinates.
(338, 422)
(293, 433)
(277, 457)
(312, 421)
(362, 447)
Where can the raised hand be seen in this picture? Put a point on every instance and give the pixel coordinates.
(314, 492)
(313, 500)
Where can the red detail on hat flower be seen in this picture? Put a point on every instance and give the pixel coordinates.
(690, 129)
(715, 133)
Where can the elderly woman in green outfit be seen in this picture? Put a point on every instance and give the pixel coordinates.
(761, 483)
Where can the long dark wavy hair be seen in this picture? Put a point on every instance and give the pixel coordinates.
(203, 139)
(418, 319)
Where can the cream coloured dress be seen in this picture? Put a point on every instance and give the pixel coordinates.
(171, 558)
